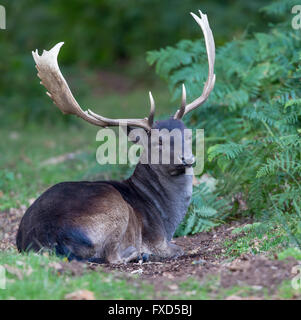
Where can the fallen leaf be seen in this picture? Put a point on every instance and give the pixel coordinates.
(233, 297)
(55, 265)
(168, 275)
(237, 265)
(257, 288)
(80, 295)
(173, 287)
(194, 251)
(139, 271)
(14, 271)
(29, 271)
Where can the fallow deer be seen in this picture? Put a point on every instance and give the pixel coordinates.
(110, 221)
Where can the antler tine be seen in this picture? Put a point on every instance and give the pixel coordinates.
(181, 112)
(54, 82)
(152, 110)
(202, 21)
(59, 91)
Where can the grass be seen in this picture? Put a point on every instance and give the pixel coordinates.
(267, 238)
(37, 279)
(33, 276)
(259, 237)
(211, 289)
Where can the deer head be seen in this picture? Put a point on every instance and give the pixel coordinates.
(145, 209)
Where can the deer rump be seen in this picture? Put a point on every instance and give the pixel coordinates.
(94, 221)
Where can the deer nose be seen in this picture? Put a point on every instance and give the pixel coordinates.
(188, 161)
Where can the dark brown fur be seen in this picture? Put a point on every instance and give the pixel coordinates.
(108, 220)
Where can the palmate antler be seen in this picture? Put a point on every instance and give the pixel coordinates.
(59, 91)
(210, 47)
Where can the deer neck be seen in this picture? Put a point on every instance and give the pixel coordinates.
(166, 196)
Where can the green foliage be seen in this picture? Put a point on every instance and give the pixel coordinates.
(253, 113)
(257, 238)
(290, 252)
(205, 212)
(248, 227)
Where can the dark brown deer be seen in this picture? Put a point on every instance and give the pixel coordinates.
(110, 221)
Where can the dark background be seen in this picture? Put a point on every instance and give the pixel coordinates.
(111, 35)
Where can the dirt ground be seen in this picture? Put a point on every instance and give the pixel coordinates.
(204, 256)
